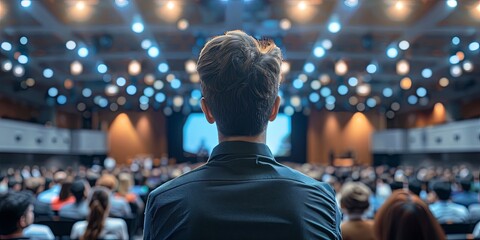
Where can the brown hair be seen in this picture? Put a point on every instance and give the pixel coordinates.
(107, 180)
(65, 190)
(125, 182)
(99, 207)
(405, 216)
(239, 76)
(355, 197)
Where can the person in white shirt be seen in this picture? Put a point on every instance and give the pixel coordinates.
(98, 224)
(444, 210)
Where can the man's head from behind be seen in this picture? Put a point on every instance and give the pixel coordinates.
(240, 79)
(443, 190)
(16, 211)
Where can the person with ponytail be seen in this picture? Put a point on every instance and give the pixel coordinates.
(98, 225)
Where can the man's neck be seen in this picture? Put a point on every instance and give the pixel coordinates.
(261, 138)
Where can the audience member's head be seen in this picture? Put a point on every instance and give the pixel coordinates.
(239, 78)
(59, 177)
(415, 186)
(65, 190)
(354, 198)
(16, 213)
(125, 182)
(99, 208)
(79, 190)
(443, 190)
(35, 184)
(15, 184)
(466, 184)
(405, 216)
(108, 180)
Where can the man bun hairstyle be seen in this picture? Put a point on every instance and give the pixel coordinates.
(239, 77)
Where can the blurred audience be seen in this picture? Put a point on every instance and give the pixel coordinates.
(443, 208)
(119, 207)
(48, 195)
(64, 197)
(79, 208)
(36, 185)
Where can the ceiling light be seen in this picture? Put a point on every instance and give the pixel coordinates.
(353, 81)
(427, 73)
(371, 102)
(178, 101)
(314, 97)
(302, 5)
(30, 82)
(399, 5)
(131, 90)
(6, 46)
(456, 71)
(80, 5)
(285, 68)
(52, 92)
(319, 52)
(295, 101)
(22, 59)
(403, 67)
(387, 92)
(412, 99)
(134, 68)
(324, 79)
(170, 77)
(361, 107)
(334, 27)
(83, 52)
(421, 92)
(153, 52)
(138, 27)
(325, 92)
(111, 90)
(26, 3)
(406, 83)
(327, 44)
(175, 84)
(309, 67)
(121, 3)
(148, 91)
(170, 5)
(190, 66)
(453, 59)
(285, 24)
(61, 99)
(455, 40)
(87, 92)
(363, 89)
(315, 85)
(392, 52)
(460, 55)
(163, 67)
(341, 68)
(372, 68)
(473, 46)
(70, 45)
(452, 3)
(194, 78)
(7, 65)
(351, 3)
(48, 73)
(18, 71)
(390, 114)
(395, 106)
(182, 24)
(146, 44)
(467, 66)
(297, 83)
(353, 100)
(404, 45)
(443, 82)
(158, 84)
(160, 97)
(76, 68)
(113, 107)
(102, 68)
(342, 90)
(121, 81)
(149, 79)
(23, 40)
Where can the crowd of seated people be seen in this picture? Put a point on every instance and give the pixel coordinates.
(444, 195)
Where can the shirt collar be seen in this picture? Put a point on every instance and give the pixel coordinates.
(241, 147)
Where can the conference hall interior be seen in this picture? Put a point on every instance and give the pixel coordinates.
(381, 94)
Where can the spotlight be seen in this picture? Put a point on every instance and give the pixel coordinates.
(403, 67)
(406, 83)
(454, 59)
(325, 92)
(26, 3)
(138, 27)
(314, 97)
(61, 99)
(52, 92)
(319, 52)
(297, 83)
(342, 90)
(6, 46)
(175, 84)
(102, 68)
(76, 68)
(302, 5)
(182, 24)
(285, 67)
(467, 66)
(371, 68)
(80, 5)
(170, 5)
(387, 92)
(153, 52)
(87, 92)
(163, 67)
(158, 84)
(309, 67)
(412, 99)
(455, 40)
(160, 97)
(190, 66)
(48, 73)
(111, 90)
(134, 68)
(324, 79)
(121, 3)
(399, 5)
(404, 45)
(121, 81)
(452, 3)
(392, 52)
(83, 52)
(22, 59)
(334, 27)
(353, 81)
(177, 101)
(148, 91)
(443, 82)
(427, 73)
(23, 40)
(351, 3)
(474, 46)
(131, 90)
(315, 85)
(456, 71)
(363, 89)
(70, 45)
(327, 44)
(421, 92)
(341, 68)
(7, 65)
(18, 71)
(285, 24)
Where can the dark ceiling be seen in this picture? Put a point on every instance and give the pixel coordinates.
(368, 29)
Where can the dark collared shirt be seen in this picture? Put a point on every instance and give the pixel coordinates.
(242, 193)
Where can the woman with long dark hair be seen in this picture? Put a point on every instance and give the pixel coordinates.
(405, 216)
(98, 224)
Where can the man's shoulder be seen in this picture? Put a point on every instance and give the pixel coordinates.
(189, 177)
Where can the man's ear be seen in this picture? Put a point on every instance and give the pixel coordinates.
(23, 222)
(207, 112)
(275, 109)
